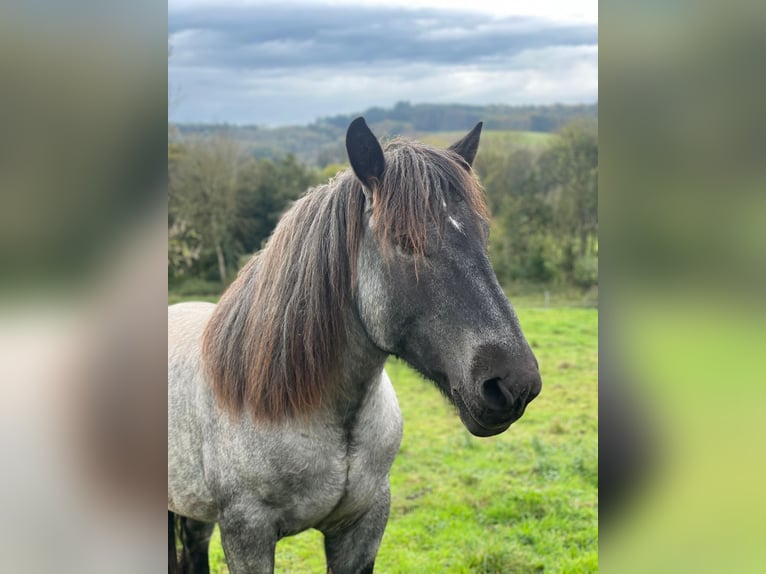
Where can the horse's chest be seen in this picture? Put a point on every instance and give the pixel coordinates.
(303, 474)
(316, 474)
(320, 485)
(372, 447)
(367, 474)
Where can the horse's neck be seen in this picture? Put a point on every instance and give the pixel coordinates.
(361, 368)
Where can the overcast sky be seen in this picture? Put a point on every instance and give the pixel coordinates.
(292, 61)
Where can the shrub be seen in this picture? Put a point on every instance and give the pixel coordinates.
(586, 271)
(193, 286)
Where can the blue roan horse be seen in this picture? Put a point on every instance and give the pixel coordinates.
(280, 415)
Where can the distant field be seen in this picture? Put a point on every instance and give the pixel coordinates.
(308, 144)
(525, 501)
(492, 139)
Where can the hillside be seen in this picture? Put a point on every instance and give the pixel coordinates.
(321, 143)
(491, 139)
(406, 117)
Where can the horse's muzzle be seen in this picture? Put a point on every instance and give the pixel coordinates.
(501, 387)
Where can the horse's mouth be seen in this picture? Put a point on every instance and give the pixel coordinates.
(474, 426)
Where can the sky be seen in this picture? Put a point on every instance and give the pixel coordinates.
(290, 62)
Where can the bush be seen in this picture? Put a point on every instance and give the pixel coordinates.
(193, 286)
(586, 271)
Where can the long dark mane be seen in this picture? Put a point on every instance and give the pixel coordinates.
(274, 343)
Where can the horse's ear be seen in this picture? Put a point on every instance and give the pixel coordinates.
(469, 145)
(364, 153)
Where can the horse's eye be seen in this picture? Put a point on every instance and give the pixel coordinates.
(404, 244)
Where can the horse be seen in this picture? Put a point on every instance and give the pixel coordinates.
(281, 416)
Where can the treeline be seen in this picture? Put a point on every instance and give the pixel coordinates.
(222, 206)
(224, 203)
(544, 203)
(321, 142)
(405, 117)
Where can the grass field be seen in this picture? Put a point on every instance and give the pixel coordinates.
(492, 139)
(525, 501)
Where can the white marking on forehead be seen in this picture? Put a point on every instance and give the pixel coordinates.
(455, 223)
(444, 204)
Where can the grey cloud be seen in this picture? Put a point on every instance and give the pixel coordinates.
(276, 64)
(278, 98)
(293, 36)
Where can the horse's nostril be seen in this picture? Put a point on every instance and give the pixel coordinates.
(496, 394)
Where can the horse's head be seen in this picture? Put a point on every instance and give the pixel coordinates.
(425, 290)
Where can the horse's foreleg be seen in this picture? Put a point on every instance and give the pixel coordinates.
(352, 550)
(195, 538)
(248, 540)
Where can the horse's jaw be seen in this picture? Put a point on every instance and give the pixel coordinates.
(473, 425)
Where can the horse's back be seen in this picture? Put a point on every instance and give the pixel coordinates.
(186, 322)
(188, 494)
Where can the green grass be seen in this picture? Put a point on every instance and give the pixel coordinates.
(524, 501)
(492, 139)
(173, 298)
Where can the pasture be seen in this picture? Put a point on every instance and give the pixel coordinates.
(492, 139)
(524, 501)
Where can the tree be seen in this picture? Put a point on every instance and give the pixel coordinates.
(544, 204)
(569, 169)
(520, 244)
(203, 188)
(183, 247)
(264, 192)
